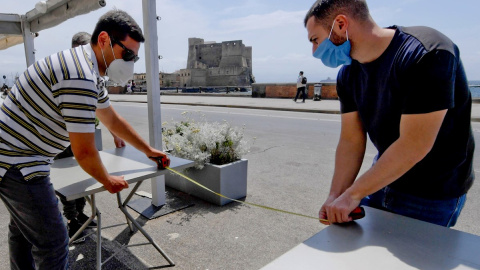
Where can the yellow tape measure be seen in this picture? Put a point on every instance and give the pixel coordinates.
(248, 203)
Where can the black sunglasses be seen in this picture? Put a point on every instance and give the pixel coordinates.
(128, 54)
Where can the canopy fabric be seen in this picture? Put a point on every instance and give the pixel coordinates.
(7, 41)
(59, 11)
(47, 14)
(10, 24)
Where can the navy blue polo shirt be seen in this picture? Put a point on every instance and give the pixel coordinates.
(419, 72)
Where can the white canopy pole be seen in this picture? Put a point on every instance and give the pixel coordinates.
(28, 42)
(153, 92)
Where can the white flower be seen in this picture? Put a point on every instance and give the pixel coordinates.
(204, 142)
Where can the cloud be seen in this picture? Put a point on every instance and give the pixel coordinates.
(257, 22)
(274, 29)
(285, 69)
(285, 58)
(241, 7)
(384, 15)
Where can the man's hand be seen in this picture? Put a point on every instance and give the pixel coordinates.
(115, 183)
(322, 214)
(119, 143)
(338, 210)
(153, 153)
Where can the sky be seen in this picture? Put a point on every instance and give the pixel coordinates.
(274, 29)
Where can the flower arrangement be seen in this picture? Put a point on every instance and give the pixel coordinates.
(204, 142)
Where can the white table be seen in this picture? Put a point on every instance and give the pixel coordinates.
(72, 182)
(382, 241)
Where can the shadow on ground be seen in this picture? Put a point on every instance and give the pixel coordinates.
(116, 254)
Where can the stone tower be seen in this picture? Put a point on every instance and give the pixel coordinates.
(217, 64)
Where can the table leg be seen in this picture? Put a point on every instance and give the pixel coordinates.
(99, 235)
(95, 212)
(137, 185)
(128, 216)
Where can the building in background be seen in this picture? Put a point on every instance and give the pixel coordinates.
(169, 80)
(217, 64)
(165, 79)
(209, 64)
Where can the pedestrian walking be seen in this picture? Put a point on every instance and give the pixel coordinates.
(301, 85)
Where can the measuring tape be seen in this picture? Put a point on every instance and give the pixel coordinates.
(247, 203)
(357, 213)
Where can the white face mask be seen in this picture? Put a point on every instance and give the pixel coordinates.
(119, 71)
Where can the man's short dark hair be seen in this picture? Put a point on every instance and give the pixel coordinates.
(301, 72)
(81, 38)
(118, 24)
(325, 11)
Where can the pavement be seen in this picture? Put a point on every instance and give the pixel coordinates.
(242, 100)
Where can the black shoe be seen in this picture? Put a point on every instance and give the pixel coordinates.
(82, 218)
(72, 227)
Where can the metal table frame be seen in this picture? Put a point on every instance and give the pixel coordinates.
(127, 161)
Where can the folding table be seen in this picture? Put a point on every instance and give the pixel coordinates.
(381, 241)
(70, 181)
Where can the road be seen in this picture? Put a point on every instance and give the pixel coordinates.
(290, 149)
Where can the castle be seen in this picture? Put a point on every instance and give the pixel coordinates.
(217, 64)
(209, 64)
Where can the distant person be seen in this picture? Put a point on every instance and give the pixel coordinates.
(133, 86)
(4, 87)
(129, 88)
(405, 88)
(54, 104)
(301, 85)
(81, 38)
(4, 91)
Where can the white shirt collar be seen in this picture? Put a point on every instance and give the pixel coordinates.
(91, 54)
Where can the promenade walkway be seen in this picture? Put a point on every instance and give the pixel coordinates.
(243, 101)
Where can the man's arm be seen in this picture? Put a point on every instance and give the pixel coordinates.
(86, 154)
(120, 127)
(418, 133)
(348, 157)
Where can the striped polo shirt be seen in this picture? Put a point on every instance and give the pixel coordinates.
(54, 96)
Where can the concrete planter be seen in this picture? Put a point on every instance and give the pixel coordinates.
(229, 180)
(98, 139)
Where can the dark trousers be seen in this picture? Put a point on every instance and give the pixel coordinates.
(72, 208)
(37, 236)
(302, 90)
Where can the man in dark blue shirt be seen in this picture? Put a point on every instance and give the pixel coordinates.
(406, 88)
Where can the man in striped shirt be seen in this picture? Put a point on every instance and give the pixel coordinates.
(53, 104)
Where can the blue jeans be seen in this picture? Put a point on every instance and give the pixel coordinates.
(37, 236)
(440, 212)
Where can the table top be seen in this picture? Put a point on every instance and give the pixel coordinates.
(71, 181)
(383, 240)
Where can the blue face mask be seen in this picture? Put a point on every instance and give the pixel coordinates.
(333, 55)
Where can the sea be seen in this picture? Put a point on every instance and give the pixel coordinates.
(474, 88)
